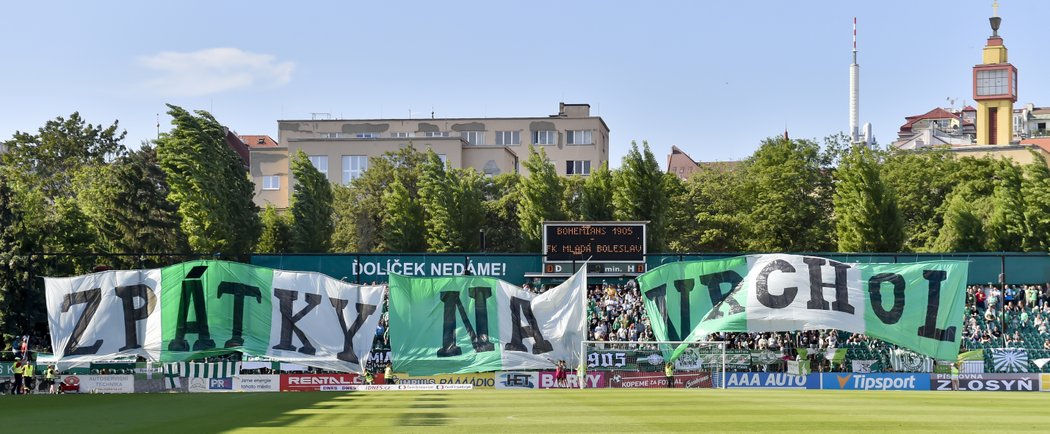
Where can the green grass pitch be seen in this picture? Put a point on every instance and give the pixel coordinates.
(470, 411)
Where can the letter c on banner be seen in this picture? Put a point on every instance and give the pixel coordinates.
(762, 286)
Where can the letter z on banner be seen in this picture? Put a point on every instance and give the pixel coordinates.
(100, 315)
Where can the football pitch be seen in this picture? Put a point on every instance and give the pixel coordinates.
(470, 411)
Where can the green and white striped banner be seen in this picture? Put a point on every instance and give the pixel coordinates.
(200, 309)
(918, 306)
(203, 370)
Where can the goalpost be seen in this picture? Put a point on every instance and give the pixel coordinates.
(641, 364)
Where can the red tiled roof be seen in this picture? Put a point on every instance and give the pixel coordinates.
(259, 141)
(969, 108)
(937, 113)
(1041, 142)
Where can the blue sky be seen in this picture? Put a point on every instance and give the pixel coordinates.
(714, 78)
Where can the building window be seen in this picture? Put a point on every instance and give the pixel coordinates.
(545, 137)
(271, 182)
(992, 82)
(332, 135)
(320, 163)
(578, 137)
(353, 167)
(507, 138)
(436, 134)
(473, 137)
(444, 159)
(578, 167)
(367, 135)
(401, 135)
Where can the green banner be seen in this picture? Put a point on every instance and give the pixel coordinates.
(678, 295)
(457, 325)
(207, 302)
(918, 306)
(417, 325)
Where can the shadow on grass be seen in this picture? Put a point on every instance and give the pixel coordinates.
(159, 412)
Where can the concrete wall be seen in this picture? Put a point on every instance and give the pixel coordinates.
(271, 161)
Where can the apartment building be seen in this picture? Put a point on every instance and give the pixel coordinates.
(575, 141)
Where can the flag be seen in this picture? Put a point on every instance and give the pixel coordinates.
(903, 360)
(918, 306)
(835, 355)
(466, 324)
(201, 309)
(1010, 359)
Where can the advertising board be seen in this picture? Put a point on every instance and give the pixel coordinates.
(318, 382)
(479, 380)
(257, 383)
(652, 380)
(98, 383)
(517, 380)
(547, 380)
(988, 382)
(768, 380)
(854, 381)
(208, 385)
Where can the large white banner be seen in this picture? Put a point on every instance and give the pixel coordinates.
(207, 308)
(560, 319)
(99, 316)
(323, 322)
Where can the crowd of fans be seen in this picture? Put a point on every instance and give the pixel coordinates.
(1018, 316)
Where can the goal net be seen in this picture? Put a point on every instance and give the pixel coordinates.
(642, 364)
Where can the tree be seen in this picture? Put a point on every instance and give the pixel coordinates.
(469, 206)
(922, 181)
(15, 289)
(640, 193)
(402, 223)
(437, 195)
(452, 206)
(788, 198)
(128, 207)
(209, 184)
(311, 208)
(60, 148)
(866, 215)
(597, 200)
(359, 207)
(706, 214)
(963, 230)
(1035, 188)
(540, 196)
(1005, 228)
(501, 230)
(573, 198)
(276, 234)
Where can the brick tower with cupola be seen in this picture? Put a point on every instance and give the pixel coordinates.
(995, 90)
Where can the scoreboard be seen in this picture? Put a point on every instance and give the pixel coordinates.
(600, 242)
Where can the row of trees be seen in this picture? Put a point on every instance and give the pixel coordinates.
(72, 187)
(411, 202)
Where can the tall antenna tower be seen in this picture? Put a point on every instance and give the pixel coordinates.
(854, 91)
